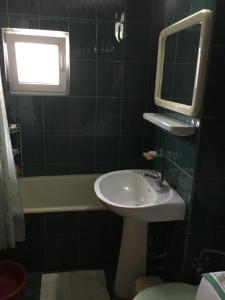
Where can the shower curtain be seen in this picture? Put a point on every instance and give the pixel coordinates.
(11, 211)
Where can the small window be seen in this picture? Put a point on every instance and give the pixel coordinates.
(36, 61)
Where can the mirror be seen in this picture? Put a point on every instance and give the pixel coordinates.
(182, 63)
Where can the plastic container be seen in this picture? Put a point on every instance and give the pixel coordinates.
(13, 277)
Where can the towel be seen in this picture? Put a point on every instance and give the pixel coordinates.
(217, 280)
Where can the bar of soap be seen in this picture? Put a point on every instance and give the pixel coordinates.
(12, 126)
(150, 155)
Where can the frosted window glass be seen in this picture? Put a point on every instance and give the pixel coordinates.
(37, 63)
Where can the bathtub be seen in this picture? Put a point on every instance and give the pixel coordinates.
(59, 193)
(67, 227)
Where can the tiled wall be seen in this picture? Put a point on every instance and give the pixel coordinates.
(184, 159)
(68, 240)
(99, 126)
(207, 223)
(180, 152)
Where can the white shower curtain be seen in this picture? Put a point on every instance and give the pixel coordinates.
(11, 210)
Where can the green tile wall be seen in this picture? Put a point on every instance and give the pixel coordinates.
(177, 248)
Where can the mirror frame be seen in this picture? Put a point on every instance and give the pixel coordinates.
(204, 18)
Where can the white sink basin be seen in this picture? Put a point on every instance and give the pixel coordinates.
(130, 194)
(139, 200)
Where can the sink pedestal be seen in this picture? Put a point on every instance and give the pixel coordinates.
(132, 258)
(139, 200)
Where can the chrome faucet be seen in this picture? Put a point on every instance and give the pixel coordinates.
(157, 175)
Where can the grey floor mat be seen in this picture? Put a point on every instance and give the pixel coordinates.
(77, 285)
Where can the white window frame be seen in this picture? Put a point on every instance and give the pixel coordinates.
(58, 38)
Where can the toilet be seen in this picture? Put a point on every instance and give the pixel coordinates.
(212, 287)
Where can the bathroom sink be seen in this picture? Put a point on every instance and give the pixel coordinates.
(131, 194)
(139, 199)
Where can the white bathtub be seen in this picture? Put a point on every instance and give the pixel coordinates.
(59, 193)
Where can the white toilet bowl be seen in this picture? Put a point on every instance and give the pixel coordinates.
(179, 291)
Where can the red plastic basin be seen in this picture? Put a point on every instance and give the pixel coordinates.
(13, 277)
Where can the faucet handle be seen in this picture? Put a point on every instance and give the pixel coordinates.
(151, 155)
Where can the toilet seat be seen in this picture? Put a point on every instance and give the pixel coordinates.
(169, 291)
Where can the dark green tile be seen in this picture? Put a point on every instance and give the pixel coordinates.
(184, 79)
(208, 212)
(181, 9)
(140, 13)
(107, 147)
(61, 252)
(215, 82)
(211, 157)
(167, 81)
(33, 147)
(83, 114)
(82, 168)
(3, 6)
(187, 45)
(95, 250)
(105, 167)
(83, 78)
(210, 261)
(169, 144)
(82, 9)
(95, 222)
(109, 80)
(197, 5)
(82, 147)
(27, 7)
(149, 139)
(36, 169)
(135, 80)
(110, 10)
(181, 182)
(157, 11)
(59, 108)
(108, 46)
(156, 29)
(58, 169)
(63, 223)
(108, 115)
(53, 7)
(170, 48)
(131, 146)
(137, 46)
(30, 112)
(168, 13)
(186, 153)
(132, 114)
(83, 42)
(57, 147)
(23, 21)
(219, 37)
(54, 23)
(30, 253)
(34, 225)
